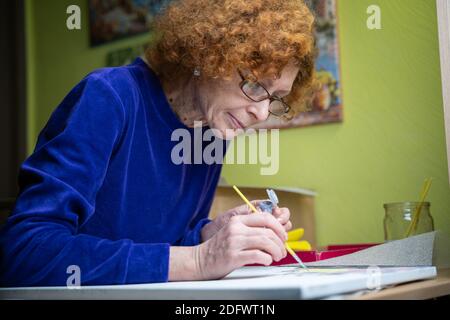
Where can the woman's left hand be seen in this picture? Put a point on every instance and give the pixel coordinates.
(210, 229)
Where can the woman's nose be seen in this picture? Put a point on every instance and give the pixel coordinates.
(260, 110)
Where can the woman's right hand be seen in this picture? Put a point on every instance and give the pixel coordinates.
(245, 239)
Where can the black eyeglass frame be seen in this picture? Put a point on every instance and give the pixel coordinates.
(271, 98)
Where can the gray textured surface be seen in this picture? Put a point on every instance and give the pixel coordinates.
(409, 252)
(441, 254)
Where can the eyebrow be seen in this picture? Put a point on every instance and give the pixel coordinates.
(281, 93)
(270, 82)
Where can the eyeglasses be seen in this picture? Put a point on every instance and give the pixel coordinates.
(257, 93)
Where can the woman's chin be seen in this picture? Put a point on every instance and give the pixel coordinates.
(222, 131)
(225, 134)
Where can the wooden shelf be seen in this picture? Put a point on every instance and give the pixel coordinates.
(419, 290)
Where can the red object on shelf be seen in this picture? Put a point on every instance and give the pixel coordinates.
(331, 251)
(351, 246)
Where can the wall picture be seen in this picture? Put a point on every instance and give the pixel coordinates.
(118, 19)
(326, 106)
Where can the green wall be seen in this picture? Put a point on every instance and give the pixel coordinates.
(59, 58)
(391, 139)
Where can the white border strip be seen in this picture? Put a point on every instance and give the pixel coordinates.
(443, 12)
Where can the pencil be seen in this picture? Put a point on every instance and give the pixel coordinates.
(245, 199)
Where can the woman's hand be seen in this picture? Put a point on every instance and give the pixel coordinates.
(245, 239)
(210, 229)
(234, 239)
(283, 215)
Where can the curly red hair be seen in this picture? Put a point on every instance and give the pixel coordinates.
(219, 36)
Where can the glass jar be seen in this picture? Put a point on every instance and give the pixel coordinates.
(398, 218)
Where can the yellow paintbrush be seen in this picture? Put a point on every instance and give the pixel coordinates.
(415, 219)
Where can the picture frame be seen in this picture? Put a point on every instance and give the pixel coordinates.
(327, 104)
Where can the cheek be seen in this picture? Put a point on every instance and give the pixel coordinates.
(220, 103)
(219, 111)
(220, 117)
(226, 100)
(234, 106)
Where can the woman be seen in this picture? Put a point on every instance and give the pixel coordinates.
(101, 192)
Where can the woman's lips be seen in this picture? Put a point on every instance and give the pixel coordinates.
(236, 122)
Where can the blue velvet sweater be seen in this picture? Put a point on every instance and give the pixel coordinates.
(100, 191)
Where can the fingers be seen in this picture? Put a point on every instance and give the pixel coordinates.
(264, 220)
(245, 208)
(248, 237)
(264, 239)
(265, 244)
(255, 256)
(282, 214)
(288, 226)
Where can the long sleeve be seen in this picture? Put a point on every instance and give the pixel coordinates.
(193, 236)
(59, 183)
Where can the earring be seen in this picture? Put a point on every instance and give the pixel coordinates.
(197, 72)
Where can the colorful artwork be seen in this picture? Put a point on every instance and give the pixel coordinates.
(327, 104)
(117, 19)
